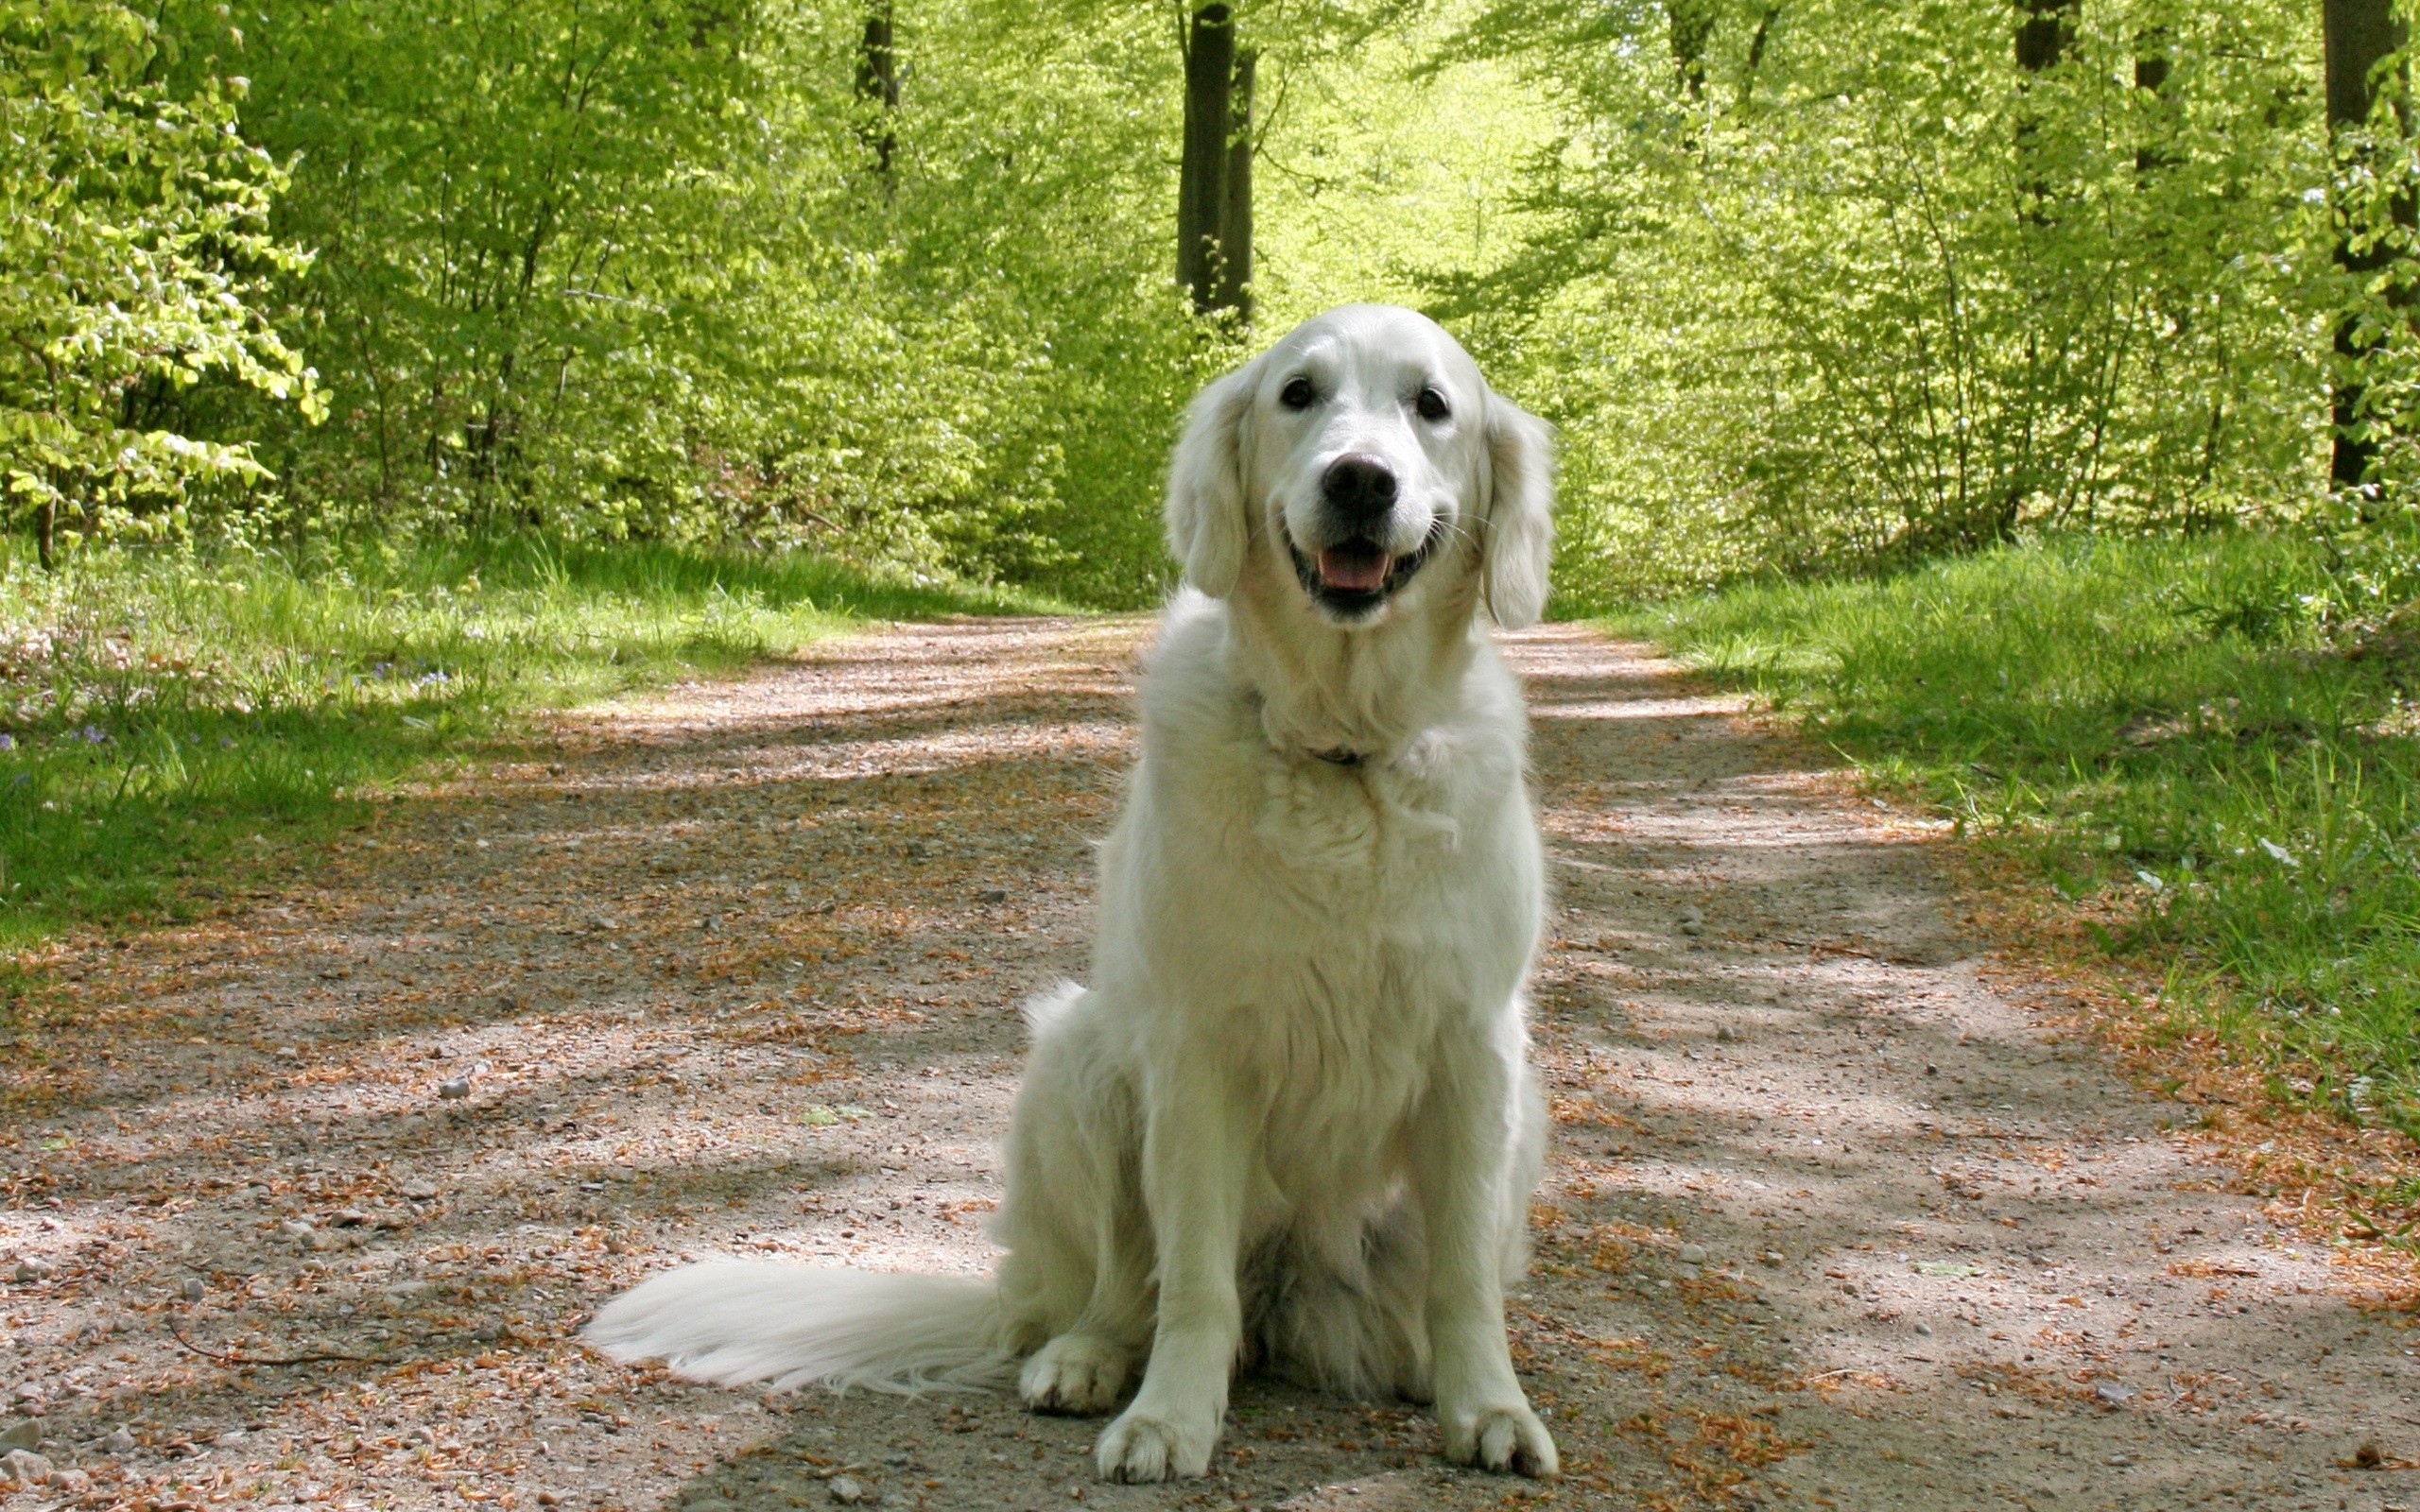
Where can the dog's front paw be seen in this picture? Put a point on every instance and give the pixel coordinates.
(1501, 1438)
(1148, 1446)
(1075, 1373)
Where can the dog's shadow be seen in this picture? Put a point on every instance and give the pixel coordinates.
(983, 1451)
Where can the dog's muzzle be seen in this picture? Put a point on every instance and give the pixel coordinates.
(1352, 577)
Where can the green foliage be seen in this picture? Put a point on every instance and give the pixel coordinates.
(630, 269)
(168, 720)
(2213, 739)
(134, 255)
(1828, 282)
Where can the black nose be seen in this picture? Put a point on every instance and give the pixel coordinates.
(1360, 488)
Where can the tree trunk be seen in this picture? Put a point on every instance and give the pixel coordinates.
(878, 86)
(1756, 52)
(1201, 174)
(2358, 35)
(1690, 28)
(2151, 73)
(2042, 31)
(1234, 224)
(2044, 28)
(45, 527)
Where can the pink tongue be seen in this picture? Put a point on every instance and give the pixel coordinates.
(1357, 568)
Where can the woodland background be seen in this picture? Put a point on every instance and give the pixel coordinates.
(1804, 284)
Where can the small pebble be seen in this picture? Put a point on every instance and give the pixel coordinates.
(457, 1087)
(22, 1466)
(847, 1492)
(1692, 922)
(121, 1441)
(1771, 1257)
(1727, 1035)
(33, 1268)
(2113, 1395)
(993, 895)
(550, 1498)
(420, 1191)
(24, 1435)
(348, 1217)
(1693, 1254)
(196, 1289)
(289, 1053)
(2121, 1461)
(1925, 1329)
(297, 1227)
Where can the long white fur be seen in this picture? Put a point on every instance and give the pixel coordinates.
(1291, 1123)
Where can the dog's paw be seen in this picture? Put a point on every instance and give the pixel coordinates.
(1146, 1447)
(1079, 1374)
(1501, 1438)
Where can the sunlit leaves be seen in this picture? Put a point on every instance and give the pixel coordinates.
(135, 253)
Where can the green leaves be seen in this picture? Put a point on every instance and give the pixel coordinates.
(134, 263)
(1871, 290)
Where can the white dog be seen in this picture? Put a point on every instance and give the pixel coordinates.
(1292, 1124)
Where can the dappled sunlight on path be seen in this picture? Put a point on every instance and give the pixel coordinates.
(736, 965)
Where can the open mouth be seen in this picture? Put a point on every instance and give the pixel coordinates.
(1354, 577)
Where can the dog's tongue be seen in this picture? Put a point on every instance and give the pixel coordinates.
(1356, 566)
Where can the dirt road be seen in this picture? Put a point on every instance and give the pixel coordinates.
(1832, 1220)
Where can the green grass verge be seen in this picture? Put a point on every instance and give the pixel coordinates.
(168, 721)
(2211, 739)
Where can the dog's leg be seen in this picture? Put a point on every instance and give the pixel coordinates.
(1194, 1164)
(1460, 1161)
(1085, 1369)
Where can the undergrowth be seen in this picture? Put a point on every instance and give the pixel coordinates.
(2206, 746)
(171, 721)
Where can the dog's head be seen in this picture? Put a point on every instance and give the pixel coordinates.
(1360, 457)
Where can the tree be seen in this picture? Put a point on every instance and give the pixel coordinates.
(1213, 215)
(2358, 36)
(1201, 171)
(878, 86)
(135, 261)
(1235, 218)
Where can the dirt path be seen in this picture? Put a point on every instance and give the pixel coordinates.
(1832, 1221)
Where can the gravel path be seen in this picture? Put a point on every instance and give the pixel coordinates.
(1833, 1218)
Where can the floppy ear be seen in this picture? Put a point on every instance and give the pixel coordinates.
(1207, 526)
(1517, 548)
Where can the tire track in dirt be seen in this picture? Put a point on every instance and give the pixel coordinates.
(1832, 1219)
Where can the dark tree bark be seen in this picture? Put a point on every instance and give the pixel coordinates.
(1756, 42)
(2151, 73)
(878, 85)
(1234, 221)
(2358, 35)
(2044, 28)
(1692, 28)
(46, 528)
(1201, 173)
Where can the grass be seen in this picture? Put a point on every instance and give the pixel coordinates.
(171, 722)
(2206, 745)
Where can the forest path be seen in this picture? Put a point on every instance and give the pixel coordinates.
(1833, 1219)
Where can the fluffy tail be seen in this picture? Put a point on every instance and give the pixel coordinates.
(735, 1321)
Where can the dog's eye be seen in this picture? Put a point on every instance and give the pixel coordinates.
(1297, 393)
(1432, 405)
